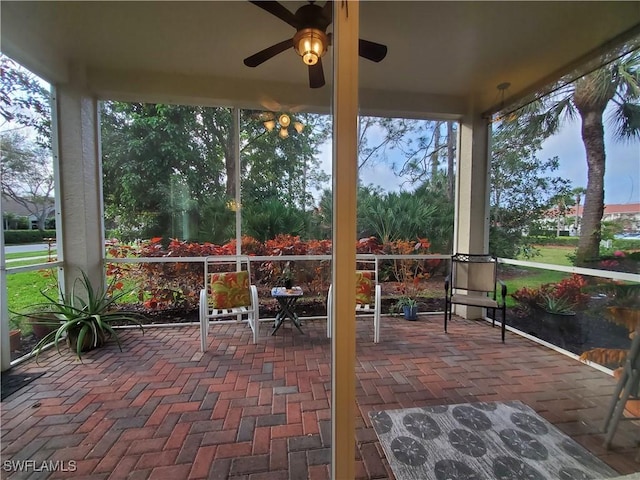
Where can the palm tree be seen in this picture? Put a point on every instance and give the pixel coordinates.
(578, 192)
(588, 97)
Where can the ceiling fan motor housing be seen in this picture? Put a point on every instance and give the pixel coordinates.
(311, 44)
(310, 41)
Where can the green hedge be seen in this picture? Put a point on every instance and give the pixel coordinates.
(12, 237)
(566, 241)
(625, 244)
(616, 243)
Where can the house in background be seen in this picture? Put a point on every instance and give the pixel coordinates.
(17, 216)
(628, 213)
(567, 223)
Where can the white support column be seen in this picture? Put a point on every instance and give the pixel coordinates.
(5, 349)
(345, 173)
(77, 123)
(471, 233)
(235, 115)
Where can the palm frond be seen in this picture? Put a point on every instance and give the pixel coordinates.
(626, 121)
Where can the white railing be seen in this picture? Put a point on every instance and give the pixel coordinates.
(629, 277)
(605, 274)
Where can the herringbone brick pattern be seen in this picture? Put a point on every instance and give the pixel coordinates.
(160, 409)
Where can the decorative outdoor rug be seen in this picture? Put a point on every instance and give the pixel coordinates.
(481, 441)
(12, 382)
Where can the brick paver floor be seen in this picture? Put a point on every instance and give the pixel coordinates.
(160, 409)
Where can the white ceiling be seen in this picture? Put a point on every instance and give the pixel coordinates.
(443, 58)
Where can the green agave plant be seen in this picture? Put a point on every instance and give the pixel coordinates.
(83, 318)
(557, 305)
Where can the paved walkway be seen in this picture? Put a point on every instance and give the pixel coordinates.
(160, 409)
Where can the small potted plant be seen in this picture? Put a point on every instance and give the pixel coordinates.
(286, 277)
(84, 318)
(409, 307)
(410, 273)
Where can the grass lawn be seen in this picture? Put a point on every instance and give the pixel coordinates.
(23, 289)
(43, 253)
(534, 277)
(554, 254)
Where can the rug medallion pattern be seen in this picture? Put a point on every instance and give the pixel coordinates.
(481, 441)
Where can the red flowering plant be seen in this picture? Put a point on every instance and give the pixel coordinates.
(408, 272)
(164, 285)
(564, 297)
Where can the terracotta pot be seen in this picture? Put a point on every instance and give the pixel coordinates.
(39, 326)
(15, 340)
(87, 343)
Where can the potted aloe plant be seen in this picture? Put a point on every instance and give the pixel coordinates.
(84, 318)
(409, 307)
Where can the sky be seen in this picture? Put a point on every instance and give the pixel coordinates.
(622, 172)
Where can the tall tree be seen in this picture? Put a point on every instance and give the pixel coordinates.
(166, 167)
(24, 100)
(617, 83)
(521, 191)
(26, 173)
(150, 165)
(286, 169)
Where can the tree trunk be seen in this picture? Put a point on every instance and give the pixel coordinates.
(451, 142)
(435, 155)
(590, 235)
(230, 161)
(591, 95)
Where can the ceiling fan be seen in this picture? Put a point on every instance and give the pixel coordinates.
(281, 122)
(310, 40)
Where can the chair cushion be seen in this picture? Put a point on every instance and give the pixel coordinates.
(230, 289)
(474, 300)
(364, 288)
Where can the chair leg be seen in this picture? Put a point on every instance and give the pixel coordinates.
(447, 306)
(376, 314)
(204, 321)
(329, 307)
(631, 383)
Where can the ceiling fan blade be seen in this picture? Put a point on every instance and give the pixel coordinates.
(276, 9)
(371, 50)
(316, 75)
(264, 55)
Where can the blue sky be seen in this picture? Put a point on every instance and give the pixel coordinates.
(622, 171)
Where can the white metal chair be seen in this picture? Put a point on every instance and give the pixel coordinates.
(368, 296)
(228, 293)
(473, 282)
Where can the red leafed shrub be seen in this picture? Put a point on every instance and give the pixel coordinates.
(169, 284)
(571, 288)
(568, 292)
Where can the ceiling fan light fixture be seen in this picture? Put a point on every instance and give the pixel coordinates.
(270, 125)
(311, 44)
(298, 126)
(284, 133)
(284, 120)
